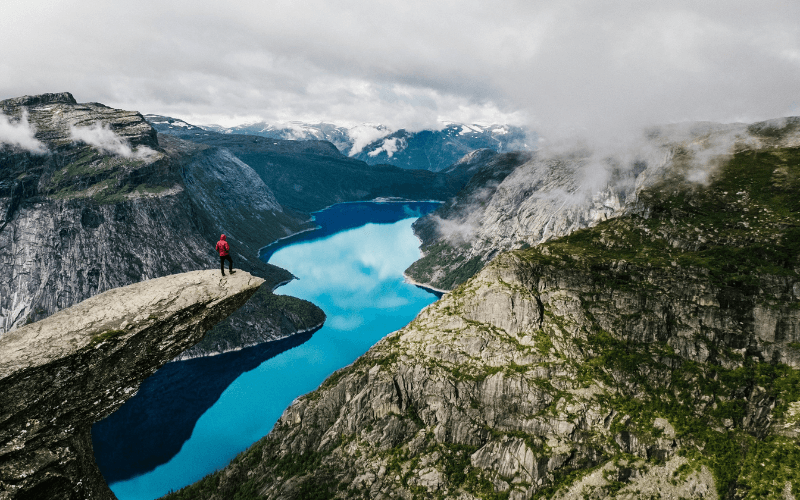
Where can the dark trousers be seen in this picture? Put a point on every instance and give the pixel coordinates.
(222, 259)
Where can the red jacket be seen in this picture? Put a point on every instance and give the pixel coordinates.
(222, 246)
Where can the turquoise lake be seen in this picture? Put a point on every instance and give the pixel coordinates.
(192, 417)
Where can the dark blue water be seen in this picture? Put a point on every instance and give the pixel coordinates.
(191, 418)
(343, 216)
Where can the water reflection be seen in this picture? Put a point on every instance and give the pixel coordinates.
(344, 216)
(152, 426)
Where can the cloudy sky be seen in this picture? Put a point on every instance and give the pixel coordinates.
(550, 64)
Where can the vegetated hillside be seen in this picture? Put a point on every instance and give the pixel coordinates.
(559, 191)
(310, 175)
(436, 150)
(654, 355)
(103, 204)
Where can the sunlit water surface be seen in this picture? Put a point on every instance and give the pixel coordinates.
(356, 277)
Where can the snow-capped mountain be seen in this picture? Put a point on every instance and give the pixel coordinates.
(348, 140)
(168, 123)
(377, 144)
(438, 149)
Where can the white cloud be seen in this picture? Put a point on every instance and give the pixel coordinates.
(552, 64)
(106, 141)
(364, 135)
(20, 134)
(389, 146)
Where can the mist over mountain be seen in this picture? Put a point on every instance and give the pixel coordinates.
(348, 140)
(568, 186)
(312, 174)
(436, 150)
(432, 150)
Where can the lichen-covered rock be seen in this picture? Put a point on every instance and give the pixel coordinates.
(60, 375)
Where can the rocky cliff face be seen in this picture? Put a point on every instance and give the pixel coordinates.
(653, 355)
(107, 204)
(266, 317)
(563, 189)
(60, 375)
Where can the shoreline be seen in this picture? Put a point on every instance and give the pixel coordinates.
(375, 200)
(211, 354)
(258, 253)
(380, 200)
(411, 281)
(285, 282)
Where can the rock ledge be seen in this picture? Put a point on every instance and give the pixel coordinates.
(60, 375)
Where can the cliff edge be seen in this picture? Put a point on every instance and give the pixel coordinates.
(60, 375)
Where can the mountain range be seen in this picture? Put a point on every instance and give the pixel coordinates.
(433, 150)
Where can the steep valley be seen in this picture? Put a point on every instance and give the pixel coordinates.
(311, 175)
(651, 355)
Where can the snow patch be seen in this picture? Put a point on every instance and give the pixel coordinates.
(390, 146)
(471, 129)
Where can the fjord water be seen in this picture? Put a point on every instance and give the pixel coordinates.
(352, 268)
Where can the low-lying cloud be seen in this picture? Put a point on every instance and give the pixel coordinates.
(572, 183)
(20, 134)
(550, 64)
(364, 135)
(101, 137)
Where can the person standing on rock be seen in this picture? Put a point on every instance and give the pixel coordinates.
(223, 248)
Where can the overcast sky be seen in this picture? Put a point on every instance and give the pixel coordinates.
(552, 64)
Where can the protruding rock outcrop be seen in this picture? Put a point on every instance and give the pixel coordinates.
(60, 375)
